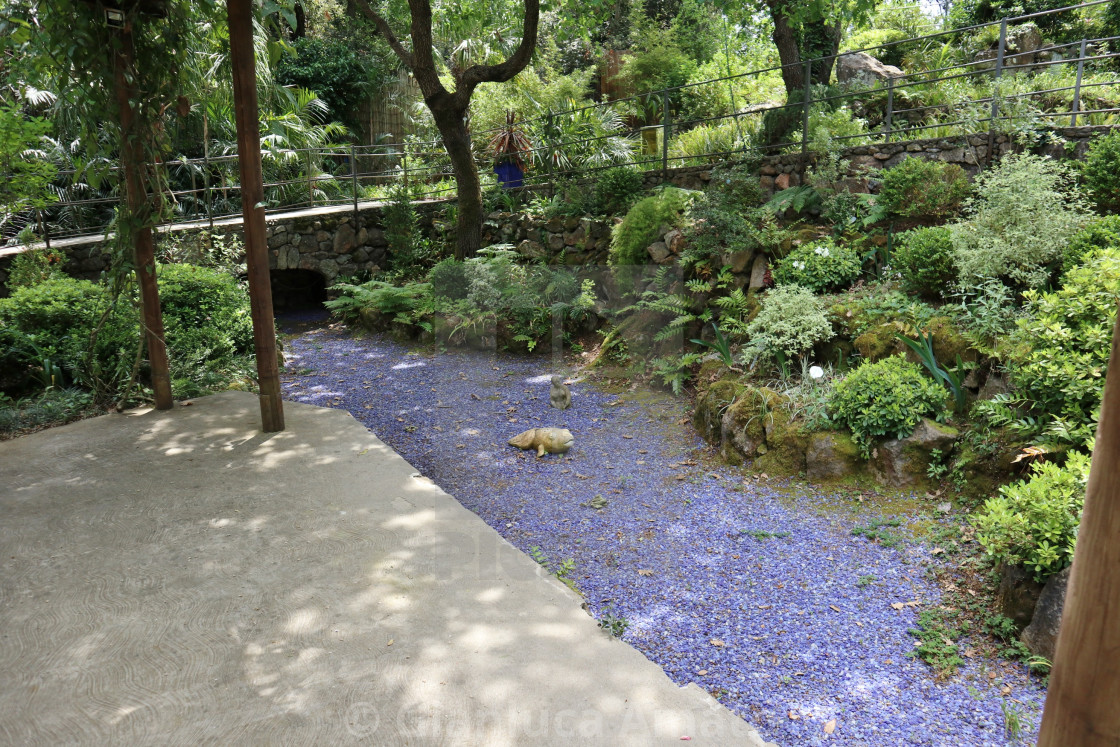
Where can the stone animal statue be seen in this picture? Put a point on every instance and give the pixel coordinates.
(560, 396)
(544, 440)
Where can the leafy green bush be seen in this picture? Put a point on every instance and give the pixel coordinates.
(924, 259)
(616, 189)
(341, 74)
(1065, 339)
(1102, 233)
(716, 224)
(1020, 219)
(206, 315)
(791, 321)
(737, 185)
(34, 266)
(449, 279)
(917, 187)
(886, 398)
(639, 228)
(1034, 522)
(55, 319)
(821, 266)
(1101, 171)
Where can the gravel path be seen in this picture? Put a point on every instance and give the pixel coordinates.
(753, 589)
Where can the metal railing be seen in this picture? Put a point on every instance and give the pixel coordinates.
(1009, 90)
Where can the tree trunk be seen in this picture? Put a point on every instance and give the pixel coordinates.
(789, 53)
(452, 124)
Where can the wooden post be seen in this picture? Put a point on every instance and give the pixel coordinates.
(143, 244)
(240, 16)
(1083, 703)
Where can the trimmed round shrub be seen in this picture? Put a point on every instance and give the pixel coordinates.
(791, 321)
(1101, 171)
(449, 279)
(924, 259)
(639, 229)
(53, 320)
(616, 189)
(886, 398)
(206, 314)
(920, 188)
(1103, 233)
(821, 266)
(1034, 522)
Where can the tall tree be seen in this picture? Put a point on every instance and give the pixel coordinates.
(811, 30)
(449, 108)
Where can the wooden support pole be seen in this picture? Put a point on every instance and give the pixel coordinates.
(1083, 703)
(143, 243)
(240, 16)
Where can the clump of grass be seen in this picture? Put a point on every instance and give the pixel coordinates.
(879, 531)
(761, 534)
(937, 644)
(614, 625)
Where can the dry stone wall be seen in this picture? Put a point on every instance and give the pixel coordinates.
(336, 242)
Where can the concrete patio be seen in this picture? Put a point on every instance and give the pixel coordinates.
(181, 578)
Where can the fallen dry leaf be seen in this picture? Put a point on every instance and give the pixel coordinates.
(1005, 690)
(645, 572)
(834, 607)
(902, 605)
(793, 716)
(830, 726)
(702, 672)
(717, 642)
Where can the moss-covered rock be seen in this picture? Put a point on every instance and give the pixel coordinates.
(743, 426)
(787, 440)
(708, 416)
(831, 455)
(881, 341)
(948, 342)
(905, 462)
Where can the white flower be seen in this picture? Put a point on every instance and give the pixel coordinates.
(799, 264)
(821, 251)
(816, 372)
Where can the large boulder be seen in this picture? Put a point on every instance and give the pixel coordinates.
(743, 425)
(708, 416)
(863, 69)
(831, 455)
(1017, 595)
(1041, 636)
(904, 462)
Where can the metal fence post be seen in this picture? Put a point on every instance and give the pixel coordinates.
(990, 156)
(354, 180)
(1077, 85)
(665, 125)
(805, 107)
(404, 163)
(548, 154)
(310, 188)
(998, 72)
(890, 108)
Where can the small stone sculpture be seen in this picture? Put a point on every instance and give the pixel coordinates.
(544, 440)
(560, 396)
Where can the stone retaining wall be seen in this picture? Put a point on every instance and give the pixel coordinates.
(336, 242)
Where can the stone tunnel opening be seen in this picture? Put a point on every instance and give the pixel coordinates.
(297, 290)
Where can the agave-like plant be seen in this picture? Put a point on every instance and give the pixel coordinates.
(511, 144)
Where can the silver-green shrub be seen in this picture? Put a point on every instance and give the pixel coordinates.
(791, 321)
(1022, 215)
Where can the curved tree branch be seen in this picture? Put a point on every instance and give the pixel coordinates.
(383, 26)
(502, 72)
